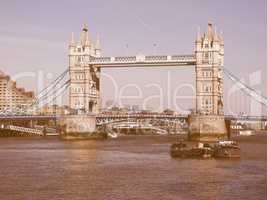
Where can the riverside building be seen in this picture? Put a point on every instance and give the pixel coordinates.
(13, 98)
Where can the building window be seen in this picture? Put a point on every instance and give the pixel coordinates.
(206, 55)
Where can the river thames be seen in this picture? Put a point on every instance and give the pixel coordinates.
(132, 167)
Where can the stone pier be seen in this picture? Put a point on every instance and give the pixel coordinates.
(78, 125)
(207, 128)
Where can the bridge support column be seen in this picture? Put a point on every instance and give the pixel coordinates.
(207, 128)
(79, 126)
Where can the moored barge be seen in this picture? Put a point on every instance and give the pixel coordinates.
(222, 149)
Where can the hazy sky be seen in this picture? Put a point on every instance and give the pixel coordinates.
(34, 36)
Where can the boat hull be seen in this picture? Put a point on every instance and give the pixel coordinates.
(178, 152)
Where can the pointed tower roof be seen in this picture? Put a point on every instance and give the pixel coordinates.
(85, 27)
(210, 31)
(198, 39)
(79, 43)
(97, 45)
(84, 34)
(87, 40)
(221, 38)
(72, 40)
(215, 37)
(92, 46)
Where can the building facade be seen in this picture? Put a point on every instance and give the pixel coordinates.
(209, 51)
(13, 98)
(84, 85)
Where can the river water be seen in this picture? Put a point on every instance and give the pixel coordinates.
(133, 167)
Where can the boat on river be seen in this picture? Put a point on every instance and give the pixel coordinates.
(222, 149)
(181, 150)
(227, 149)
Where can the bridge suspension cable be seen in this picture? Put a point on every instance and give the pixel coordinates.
(55, 88)
(60, 92)
(43, 94)
(59, 78)
(246, 89)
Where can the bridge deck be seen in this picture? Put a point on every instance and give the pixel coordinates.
(53, 117)
(143, 61)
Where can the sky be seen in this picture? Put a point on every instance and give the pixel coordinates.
(34, 37)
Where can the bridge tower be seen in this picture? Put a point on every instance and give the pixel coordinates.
(209, 52)
(84, 78)
(208, 122)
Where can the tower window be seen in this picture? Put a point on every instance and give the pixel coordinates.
(206, 55)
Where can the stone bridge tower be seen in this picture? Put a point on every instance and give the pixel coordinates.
(208, 122)
(84, 86)
(209, 52)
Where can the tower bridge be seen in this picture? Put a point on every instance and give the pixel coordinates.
(86, 62)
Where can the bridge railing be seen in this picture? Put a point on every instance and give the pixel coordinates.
(237, 117)
(183, 57)
(125, 59)
(100, 60)
(140, 116)
(156, 58)
(54, 117)
(25, 130)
